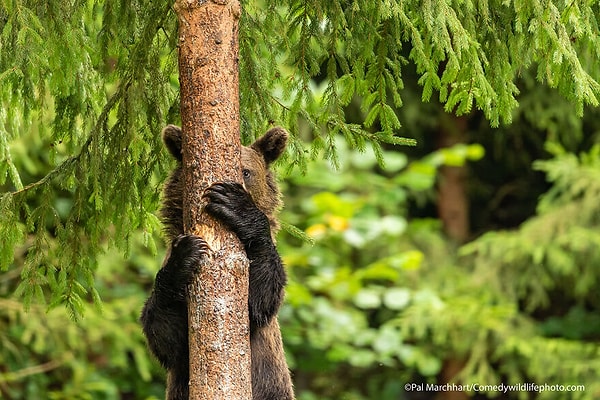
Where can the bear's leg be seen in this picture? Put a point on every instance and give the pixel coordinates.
(270, 375)
(164, 317)
(178, 384)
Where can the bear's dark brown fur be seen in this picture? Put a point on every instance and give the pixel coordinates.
(252, 215)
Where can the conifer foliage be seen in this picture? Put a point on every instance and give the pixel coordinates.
(96, 81)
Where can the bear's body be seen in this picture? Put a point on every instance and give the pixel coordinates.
(251, 215)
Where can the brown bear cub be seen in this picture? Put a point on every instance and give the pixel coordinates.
(251, 214)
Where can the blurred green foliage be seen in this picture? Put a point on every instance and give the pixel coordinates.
(382, 298)
(48, 355)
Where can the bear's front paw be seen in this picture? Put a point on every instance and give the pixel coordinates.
(231, 204)
(187, 251)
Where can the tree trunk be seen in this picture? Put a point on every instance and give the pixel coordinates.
(453, 210)
(453, 201)
(218, 298)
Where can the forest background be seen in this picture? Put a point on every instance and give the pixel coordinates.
(470, 256)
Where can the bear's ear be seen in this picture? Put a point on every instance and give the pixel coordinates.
(171, 136)
(272, 144)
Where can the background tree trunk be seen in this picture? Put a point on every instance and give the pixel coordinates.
(453, 199)
(453, 210)
(218, 301)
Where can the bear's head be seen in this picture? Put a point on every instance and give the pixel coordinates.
(258, 178)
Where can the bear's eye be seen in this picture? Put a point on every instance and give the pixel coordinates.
(246, 173)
